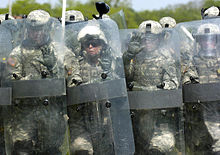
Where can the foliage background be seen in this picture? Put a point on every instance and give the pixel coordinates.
(182, 12)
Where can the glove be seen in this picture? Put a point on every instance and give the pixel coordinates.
(134, 48)
(161, 86)
(49, 59)
(193, 80)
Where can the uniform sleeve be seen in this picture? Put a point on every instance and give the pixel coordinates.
(72, 68)
(14, 65)
(188, 69)
(170, 74)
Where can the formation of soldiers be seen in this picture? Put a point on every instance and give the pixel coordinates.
(94, 89)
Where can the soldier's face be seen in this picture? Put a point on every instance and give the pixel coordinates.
(93, 47)
(36, 35)
(208, 45)
(151, 44)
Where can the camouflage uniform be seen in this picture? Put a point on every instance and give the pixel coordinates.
(32, 126)
(152, 70)
(204, 117)
(90, 122)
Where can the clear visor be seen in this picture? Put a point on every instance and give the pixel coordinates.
(207, 44)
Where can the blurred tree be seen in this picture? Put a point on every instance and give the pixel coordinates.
(181, 12)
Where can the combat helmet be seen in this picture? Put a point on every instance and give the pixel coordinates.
(168, 22)
(211, 12)
(73, 16)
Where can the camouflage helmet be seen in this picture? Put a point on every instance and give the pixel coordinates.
(38, 18)
(91, 32)
(211, 12)
(150, 26)
(74, 16)
(3, 17)
(168, 22)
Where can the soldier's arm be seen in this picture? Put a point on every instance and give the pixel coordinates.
(189, 73)
(188, 70)
(14, 65)
(170, 74)
(72, 69)
(134, 47)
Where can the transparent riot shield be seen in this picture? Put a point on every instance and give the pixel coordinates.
(5, 92)
(15, 27)
(36, 122)
(125, 37)
(98, 109)
(155, 96)
(201, 86)
(119, 18)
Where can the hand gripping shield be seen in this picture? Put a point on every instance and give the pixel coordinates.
(152, 69)
(36, 122)
(201, 83)
(98, 107)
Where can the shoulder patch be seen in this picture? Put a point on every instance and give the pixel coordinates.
(12, 62)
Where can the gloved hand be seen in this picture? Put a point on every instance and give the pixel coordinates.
(49, 59)
(161, 86)
(134, 48)
(193, 80)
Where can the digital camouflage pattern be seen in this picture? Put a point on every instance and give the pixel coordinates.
(167, 22)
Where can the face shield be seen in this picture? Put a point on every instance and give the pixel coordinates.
(37, 34)
(151, 41)
(206, 44)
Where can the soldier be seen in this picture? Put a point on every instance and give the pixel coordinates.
(203, 114)
(93, 62)
(150, 67)
(37, 124)
(94, 117)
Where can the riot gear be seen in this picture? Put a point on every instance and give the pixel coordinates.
(95, 109)
(36, 123)
(206, 38)
(151, 72)
(201, 100)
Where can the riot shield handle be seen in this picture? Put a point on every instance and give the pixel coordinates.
(102, 9)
